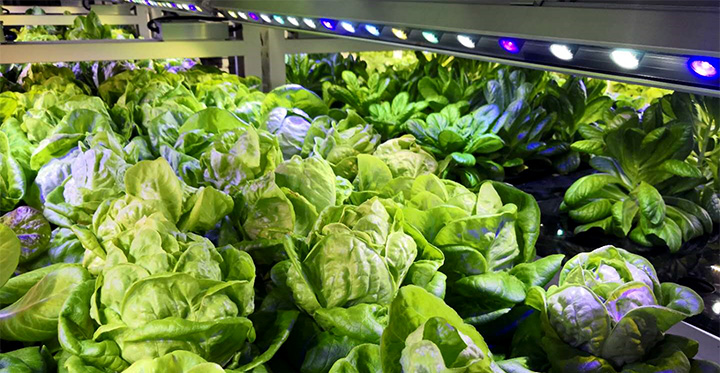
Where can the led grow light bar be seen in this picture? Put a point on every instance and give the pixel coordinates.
(699, 73)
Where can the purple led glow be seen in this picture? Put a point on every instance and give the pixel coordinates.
(254, 16)
(703, 68)
(510, 45)
(192, 7)
(173, 5)
(329, 24)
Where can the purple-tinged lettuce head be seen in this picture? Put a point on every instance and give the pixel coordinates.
(609, 310)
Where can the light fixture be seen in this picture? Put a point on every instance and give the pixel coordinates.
(174, 5)
(348, 26)
(309, 23)
(293, 21)
(510, 45)
(232, 14)
(626, 58)
(562, 52)
(400, 33)
(242, 15)
(703, 67)
(279, 19)
(466, 41)
(372, 30)
(329, 24)
(266, 18)
(431, 37)
(254, 16)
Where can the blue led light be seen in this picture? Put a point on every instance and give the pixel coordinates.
(372, 30)
(329, 24)
(279, 19)
(704, 67)
(192, 7)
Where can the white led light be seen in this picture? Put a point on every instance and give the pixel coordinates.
(562, 52)
(242, 15)
(309, 23)
(266, 18)
(466, 41)
(232, 14)
(293, 21)
(348, 27)
(372, 30)
(185, 6)
(625, 58)
(716, 308)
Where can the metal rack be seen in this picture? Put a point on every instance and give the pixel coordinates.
(667, 44)
(262, 49)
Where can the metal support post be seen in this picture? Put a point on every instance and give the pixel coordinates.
(252, 58)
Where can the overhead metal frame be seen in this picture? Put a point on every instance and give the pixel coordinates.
(666, 36)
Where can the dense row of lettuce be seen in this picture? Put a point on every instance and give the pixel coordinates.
(187, 222)
(656, 153)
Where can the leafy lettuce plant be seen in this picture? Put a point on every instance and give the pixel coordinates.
(358, 94)
(33, 231)
(288, 201)
(340, 142)
(609, 313)
(356, 259)
(32, 301)
(424, 334)
(13, 182)
(642, 171)
(388, 118)
(488, 241)
(448, 87)
(577, 102)
(704, 114)
(144, 261)
(308, 72)
(465, 143)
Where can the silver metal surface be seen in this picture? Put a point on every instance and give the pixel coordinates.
(63, 20)
(709, 345)
(676, 30)
(110, 50)
(599, 74)
(194, 30)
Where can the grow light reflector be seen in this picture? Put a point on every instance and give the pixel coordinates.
(466, 41)
(562, 52)
(400, 33)
(510, 46)
(431, 37)
(309, 23)
(626, 58)
(347, 26)
(266, 18)
(279, 19)
(703, 68)
(293, 21)
(329, 24)
(372, 30)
